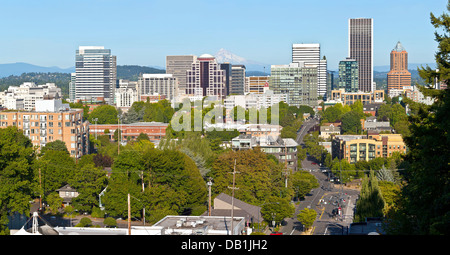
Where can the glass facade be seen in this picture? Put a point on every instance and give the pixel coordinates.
(299, 83)
(348, 75)
(96, 74)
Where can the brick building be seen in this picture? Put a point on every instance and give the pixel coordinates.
(154, 130)
(51, 121)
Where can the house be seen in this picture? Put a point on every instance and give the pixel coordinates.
(327, 131)
(222, 207)
(67, 193)
(284, 149)
(371, 124)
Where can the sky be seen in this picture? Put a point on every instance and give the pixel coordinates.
(144, 32)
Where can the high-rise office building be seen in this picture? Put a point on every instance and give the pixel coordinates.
(226, 67)
(360, 47)
(309, 53)
(157, 84)
(178, 66)
(296, 80)
(205, 78)
(237, 80)
(95, 74)
(348, 75)
(399, 76)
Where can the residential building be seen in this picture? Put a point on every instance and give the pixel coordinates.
(67, 193)
(372, 108)
(348, 75)
(415, 95)
(360, 47)
(348, 98)
(154, 130)
(205, 78)
(399, 76)
(24, 96)
(177, 66)
(95, 74)
(260, 130)
(284, 149)
(237, 80)
(297, 81)
(354, 148)
(256, 84)
(371, 124)
(309, 53)
(157, 84)
(326, 131)
(50, 121)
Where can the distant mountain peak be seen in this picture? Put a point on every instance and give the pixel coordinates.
(223, 56)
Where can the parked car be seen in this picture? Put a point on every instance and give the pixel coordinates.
(276, 233)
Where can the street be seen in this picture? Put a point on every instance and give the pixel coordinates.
(334, 203)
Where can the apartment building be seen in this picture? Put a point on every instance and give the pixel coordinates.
(51, 121)
(354, 148)
(24, 96)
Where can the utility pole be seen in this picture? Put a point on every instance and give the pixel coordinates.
(129, 215)
(209, 202)
(118, 134)
(232, 196)
(285, 165)
(40, 190)
(143, 188)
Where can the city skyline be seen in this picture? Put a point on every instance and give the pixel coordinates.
(145, 32)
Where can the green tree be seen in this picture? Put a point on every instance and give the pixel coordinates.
(106, 114)
(425, 203)
(258, 178)
(16, 174)
(277, 209)
(307, 217)
(55, 202)
(371, 202)
(303, 182)
(110, 222)
(57, 145)
(351, 123)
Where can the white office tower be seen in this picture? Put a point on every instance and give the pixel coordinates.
(157, 84)
(309, 53)
(95, 74)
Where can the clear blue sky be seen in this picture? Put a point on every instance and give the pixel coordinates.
(47, 33)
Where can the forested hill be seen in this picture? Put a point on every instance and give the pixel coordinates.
(126, 72)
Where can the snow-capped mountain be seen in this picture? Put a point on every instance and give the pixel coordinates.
(224, 56)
